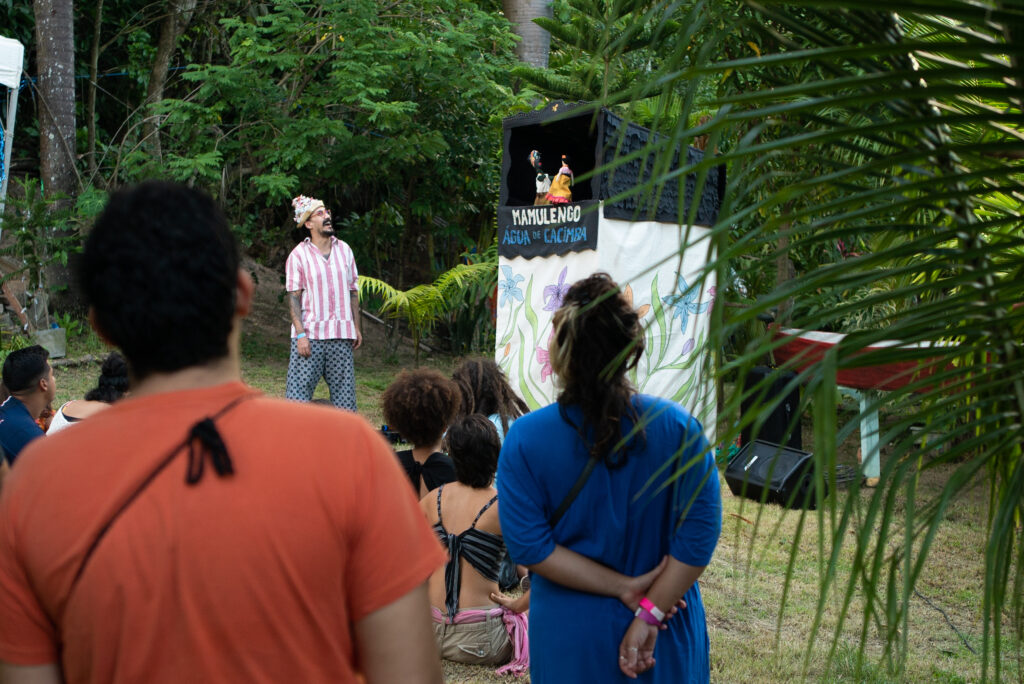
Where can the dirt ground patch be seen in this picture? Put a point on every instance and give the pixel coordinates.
(269, 315)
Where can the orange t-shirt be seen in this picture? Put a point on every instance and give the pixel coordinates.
(258, 576)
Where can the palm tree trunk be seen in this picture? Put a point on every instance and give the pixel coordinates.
(179, 13)
(536, 42)
(90, 117)
(55, 61)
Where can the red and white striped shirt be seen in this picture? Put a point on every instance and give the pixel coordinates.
(326, 285)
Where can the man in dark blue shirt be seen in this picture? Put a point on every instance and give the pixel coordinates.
(28, 377)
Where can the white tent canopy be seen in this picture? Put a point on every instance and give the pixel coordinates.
(12, 56)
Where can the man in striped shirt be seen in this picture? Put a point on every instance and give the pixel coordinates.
(323, 301)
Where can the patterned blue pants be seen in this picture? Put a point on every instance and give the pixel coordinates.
(330, 359)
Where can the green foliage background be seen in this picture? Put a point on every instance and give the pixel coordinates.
(390, 112)
(391, 115)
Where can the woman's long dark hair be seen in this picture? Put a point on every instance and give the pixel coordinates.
(598, 338)
(485, 390)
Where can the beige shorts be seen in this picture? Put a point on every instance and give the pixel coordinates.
(478, 643)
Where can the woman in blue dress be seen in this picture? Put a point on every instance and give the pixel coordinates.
(652, 491)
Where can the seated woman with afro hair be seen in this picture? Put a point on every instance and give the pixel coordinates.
(421, 404)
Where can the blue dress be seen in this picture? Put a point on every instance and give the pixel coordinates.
(626, 518)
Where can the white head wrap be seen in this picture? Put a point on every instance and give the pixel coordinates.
(304, 206)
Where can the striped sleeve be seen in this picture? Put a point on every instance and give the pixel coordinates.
(294, 277)
(351, 268)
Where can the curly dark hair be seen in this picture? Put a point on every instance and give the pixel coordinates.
(420, 404)
(598, 338)
(113, 380)
(160, 270)
(485, 390)
(473, 444)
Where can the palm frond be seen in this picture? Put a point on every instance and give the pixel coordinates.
(899, 131)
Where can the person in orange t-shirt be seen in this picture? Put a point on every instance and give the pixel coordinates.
(198, 531)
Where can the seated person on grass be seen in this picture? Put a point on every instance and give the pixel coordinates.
(421, 404)
(29, 379)
(485, 389)
(110, 386)
(469, 625)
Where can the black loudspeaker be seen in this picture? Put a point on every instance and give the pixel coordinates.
(787, 474)
(775, 425)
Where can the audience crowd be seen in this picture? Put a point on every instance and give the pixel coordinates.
(537, 546)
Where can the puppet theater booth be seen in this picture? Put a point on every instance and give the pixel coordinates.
(542, 250)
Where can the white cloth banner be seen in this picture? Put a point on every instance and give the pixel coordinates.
(12, 56)
(643, 257)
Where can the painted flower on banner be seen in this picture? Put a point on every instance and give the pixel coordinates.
(641, 310)
(544, 359)
(688, 346)
(712, 293)
(509, 287)
(554, 294)
(683, 303)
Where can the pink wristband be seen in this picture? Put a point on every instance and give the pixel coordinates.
(648, 605)
(647, 617)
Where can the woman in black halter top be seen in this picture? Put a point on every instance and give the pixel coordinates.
(469, 625)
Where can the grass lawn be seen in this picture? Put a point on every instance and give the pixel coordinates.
(743, 586)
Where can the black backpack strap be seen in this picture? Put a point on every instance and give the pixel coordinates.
(574, 492)
(203, 439)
